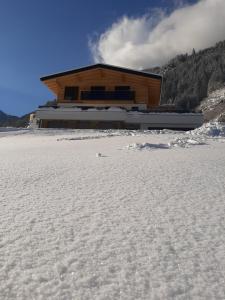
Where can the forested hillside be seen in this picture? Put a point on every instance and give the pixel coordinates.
(188, 79)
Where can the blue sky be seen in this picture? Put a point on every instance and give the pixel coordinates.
(46, 36)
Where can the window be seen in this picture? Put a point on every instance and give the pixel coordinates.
(71, 93)
(122, 88)
(98, 88)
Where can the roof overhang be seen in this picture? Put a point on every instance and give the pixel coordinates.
(102, 66)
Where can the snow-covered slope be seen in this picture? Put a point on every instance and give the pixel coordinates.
(213, 106)
(83, 216)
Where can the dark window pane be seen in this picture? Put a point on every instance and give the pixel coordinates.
(107, 95)
(71, 93)
(98, 88)
(122, 88)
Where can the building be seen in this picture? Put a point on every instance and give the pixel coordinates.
(104, 96)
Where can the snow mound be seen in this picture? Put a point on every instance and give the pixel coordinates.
(182, 142)
(186, 142)
(161, 131)
(191, 138)
(211, 129)
(99, 134)
(88, 137)
(146, 146)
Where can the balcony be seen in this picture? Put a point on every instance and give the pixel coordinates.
(108, 95)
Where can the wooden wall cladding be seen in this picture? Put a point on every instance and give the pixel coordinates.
(147, 90)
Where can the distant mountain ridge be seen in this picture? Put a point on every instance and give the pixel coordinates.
(13, 121)
(7, 119)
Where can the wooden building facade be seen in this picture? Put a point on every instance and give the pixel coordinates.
(98, 87)
(104, 96)
(104, 85)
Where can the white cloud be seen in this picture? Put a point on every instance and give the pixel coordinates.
(155, 38)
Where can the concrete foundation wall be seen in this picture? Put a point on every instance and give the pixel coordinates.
(145, 120)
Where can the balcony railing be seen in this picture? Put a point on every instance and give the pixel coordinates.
(108, 95)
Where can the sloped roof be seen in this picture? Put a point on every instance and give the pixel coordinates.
(103, 66)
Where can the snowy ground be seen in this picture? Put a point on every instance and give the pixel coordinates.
(112, 214)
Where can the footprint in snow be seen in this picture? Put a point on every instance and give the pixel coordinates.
(100, 155)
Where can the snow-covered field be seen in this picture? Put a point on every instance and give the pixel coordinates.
(112, 214)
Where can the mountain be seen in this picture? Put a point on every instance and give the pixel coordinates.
(190, 79)
(13, 121)
(7, 120)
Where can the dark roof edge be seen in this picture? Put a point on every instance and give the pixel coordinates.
(105, 66)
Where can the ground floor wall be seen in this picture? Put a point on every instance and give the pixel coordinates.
(115, 118)
(78, 124)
